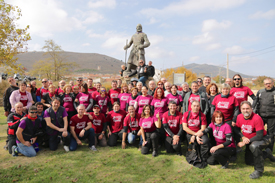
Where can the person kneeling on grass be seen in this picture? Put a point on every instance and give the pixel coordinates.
(115, 124)
(26, 134)
(99, 125)
(255, 138)
(225, 146)
(131, 126)
(173, 128)
(81, 128)
(148, 126)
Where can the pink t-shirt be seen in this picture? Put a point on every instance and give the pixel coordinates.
(241, 93)
(68, 103)
(142, 101)
(191, 99)
(148, 124)
(123, 98)
(220, 133)
(176, 98)
(103, 103)
(160, 106)
(84, 98)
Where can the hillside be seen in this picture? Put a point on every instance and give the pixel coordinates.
(205, 69)
(88, 62)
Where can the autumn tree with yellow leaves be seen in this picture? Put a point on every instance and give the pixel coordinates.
(190, 76)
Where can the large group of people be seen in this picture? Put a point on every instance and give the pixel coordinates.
(215, 125)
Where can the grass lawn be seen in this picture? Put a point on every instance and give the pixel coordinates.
(116, 165)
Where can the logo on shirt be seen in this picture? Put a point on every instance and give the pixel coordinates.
(114, 95)
(191, 99)
(80, 125)
(239, 94)
(67, 99)
(124, 98)
(146, 124)
(193, 122)
(218, 135)
(173, 99)
(133, 124)
(172, 123)
(24, 97)
(100, 102)
(97, 122)
(159, 104)
(223, 105)
(117, 118)
(144, 102)
(246, 128)
(132, 102)
(83, 98)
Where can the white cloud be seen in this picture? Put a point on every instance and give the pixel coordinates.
(234, 50)
(236, 61)
(153, 20)
(191, 6)
(155, 39)
(86, 44)
(192, 59)
(212, 24)
(158, 53)
(102, 3)
(201, 39)
(265, 15)
(92, 17)
(213, 46)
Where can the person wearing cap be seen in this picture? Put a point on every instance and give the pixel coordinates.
(99, 125)
(134, 82)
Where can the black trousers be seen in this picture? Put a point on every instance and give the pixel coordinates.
(170, 148)
(254, 154)
(11, 142)
(112, 141)
(54, 140)
(270, 130)
(221, 156)
(152, 142)
(204, 148)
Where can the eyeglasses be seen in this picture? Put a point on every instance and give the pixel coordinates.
(199, 81)
(237, 79)
(160, 84)
(79, 80)
(102, 90)
(33, 112)
(44, 81)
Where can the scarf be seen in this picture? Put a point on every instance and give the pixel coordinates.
(224, 96)
(219, 125)
(28, 116)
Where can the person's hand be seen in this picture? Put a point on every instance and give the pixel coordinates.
(199, 140)
(145, 69)
(27, 143)
(78, 142)
(33, 140)
(90, 116)
(241, 144)
(65, 133)
(100, 136)
(61, 93)
(76, 100)
(23, 118)
(199, 133)
(123, 145)
(192, 139)
(109, 134)
(246, 140)
(126, 76)
(81, 134)
(144, 143)
(158, 115)
(233, 123)
(120, 72)
(48, 105)
(6, 113)
(213, 149)
(176, 139)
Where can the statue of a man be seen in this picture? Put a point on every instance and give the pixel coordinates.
(139, 41)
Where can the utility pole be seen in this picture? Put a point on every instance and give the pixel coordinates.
(220, 75)
(227, 75)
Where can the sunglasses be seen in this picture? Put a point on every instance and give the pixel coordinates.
(33, 112)
(160, 84)
(96, 107)
(103, 90)
(44, 81)
(79, 80)
(237, 79)
(199, 81)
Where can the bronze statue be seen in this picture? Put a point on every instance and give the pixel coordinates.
(139, 41)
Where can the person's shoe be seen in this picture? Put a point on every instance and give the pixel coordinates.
(139, 149)
(255, 175)
(239, 149)
(66, 148)
(155, 153)
(226, 165)
(14, 151)
(269, 155)
(93, 148)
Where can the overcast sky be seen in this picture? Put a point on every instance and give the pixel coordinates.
(183, 31)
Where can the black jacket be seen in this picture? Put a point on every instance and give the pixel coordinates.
(140, 71)
(6, 97)
(151, 71)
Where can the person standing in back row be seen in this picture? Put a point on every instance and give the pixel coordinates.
(206, 82)
(150, 69)
(7, 94)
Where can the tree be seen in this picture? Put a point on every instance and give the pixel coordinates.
(54, 67)
(190, 76)
(218, 78)
(260, 81)
(12, 39)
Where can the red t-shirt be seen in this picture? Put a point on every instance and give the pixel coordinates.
(58, 91)
(113, 94)
(91, 90)
(194, 122)
(226, 106)
(78, 123)
(116, 120)
(132, 124)
(97, 122)
(191, 99)
(95, 94)
(41, 92)
(148, 124)
(84, 99)
(250, 126)
(241, 93)
(173, 122)
(24, 98)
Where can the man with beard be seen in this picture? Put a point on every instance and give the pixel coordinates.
(152, 87)
(255, 138)
(40, 92)
(206, 82)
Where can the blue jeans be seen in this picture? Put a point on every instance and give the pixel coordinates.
(132, 138)
(143, 80)
(90, 134)
(25, 150)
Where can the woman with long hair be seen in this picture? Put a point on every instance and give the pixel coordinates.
(174, 96)
(143, 99)
(85, 98)
(123, 96)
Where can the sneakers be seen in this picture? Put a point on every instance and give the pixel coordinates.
(93, 148)
(269, 155)
(155, 153)
(14, 151)
(226, 165)
(66, 148)
(255, 175)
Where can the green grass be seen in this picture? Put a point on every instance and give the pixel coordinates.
(116, 165)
